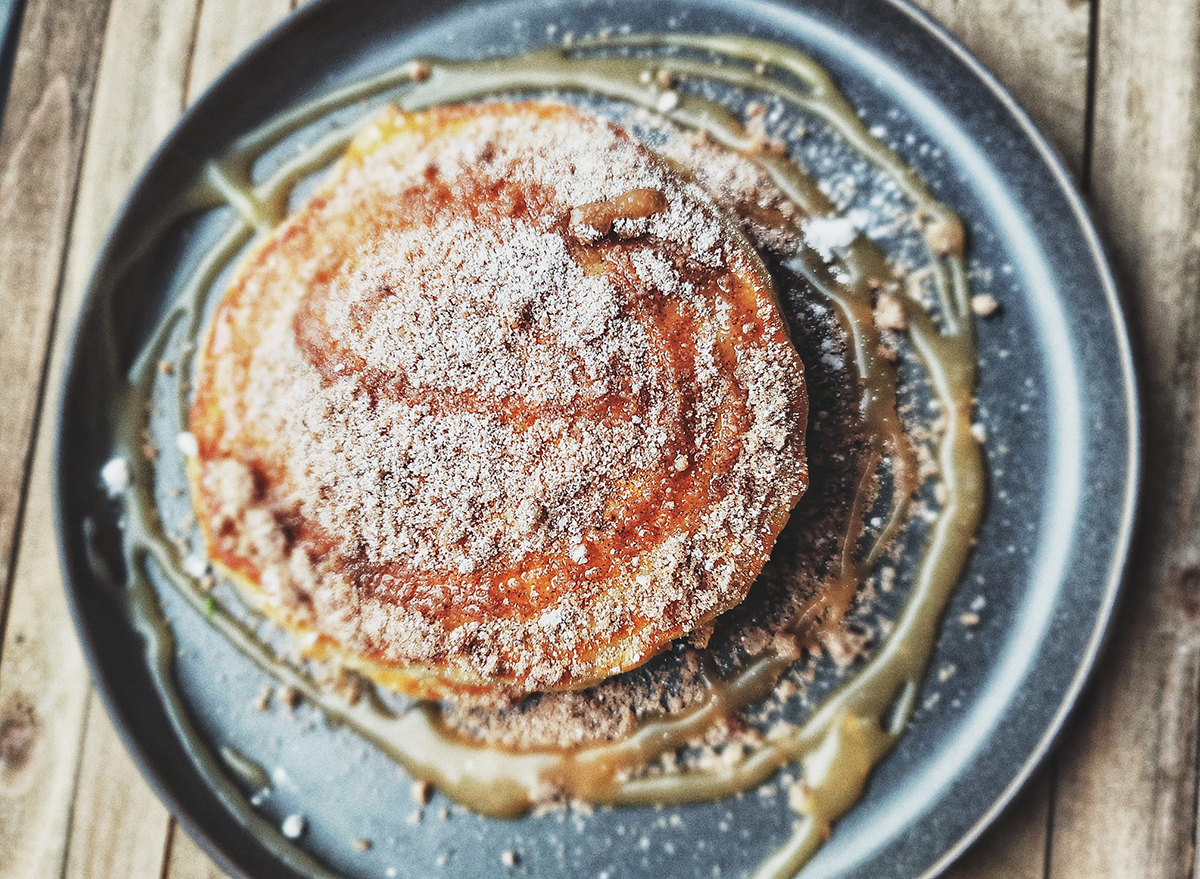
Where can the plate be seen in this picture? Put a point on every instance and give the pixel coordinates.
(1057, 393)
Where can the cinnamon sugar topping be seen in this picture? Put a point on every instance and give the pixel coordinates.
(443, 429)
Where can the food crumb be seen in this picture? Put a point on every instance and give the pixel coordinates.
(979, 432)
(290, 697)
(293, 826)
(166, 367)
(984, 305)
(421, 792)
(187, 445)
(195, 566)
(946, 672)
(798, 796)
(844, 645)
(263, 700)
(509, 858)
(946, 237)
(414, 818)
(970, 618)
(419, 71)
(363, 845)
(889, 312)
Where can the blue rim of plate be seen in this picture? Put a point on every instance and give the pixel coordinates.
(218, 834)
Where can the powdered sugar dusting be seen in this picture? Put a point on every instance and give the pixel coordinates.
(435, 409)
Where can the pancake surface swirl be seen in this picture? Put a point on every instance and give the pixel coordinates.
(506, 407)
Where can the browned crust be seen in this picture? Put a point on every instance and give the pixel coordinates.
(671, 537)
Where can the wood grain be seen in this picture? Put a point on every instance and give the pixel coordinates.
(1126, 802)
(137, 96)
(40, 148)
(1039, 50)
(118, 827)
(224, 31)
(40, 151)
(187, 861)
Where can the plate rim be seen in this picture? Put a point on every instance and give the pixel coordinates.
(1100, 259)
(1118, 569)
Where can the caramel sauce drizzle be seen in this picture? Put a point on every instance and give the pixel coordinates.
(851, 731)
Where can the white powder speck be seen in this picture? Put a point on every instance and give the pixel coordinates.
(293, 826)
(667, 101)
(825, 234)
(195, 565)
(115, 476)
(187, 445)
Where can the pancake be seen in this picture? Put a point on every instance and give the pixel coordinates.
(506, 407)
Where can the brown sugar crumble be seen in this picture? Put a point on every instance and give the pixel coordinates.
(421, 792)
(984, 304)
(675, 681)
(290, 697)
(262, 701)
(530, 408)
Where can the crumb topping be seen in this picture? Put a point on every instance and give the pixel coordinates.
(507, 399)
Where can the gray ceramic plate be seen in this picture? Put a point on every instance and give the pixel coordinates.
(1057, 392)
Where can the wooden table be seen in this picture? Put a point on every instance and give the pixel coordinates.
(1116, 85)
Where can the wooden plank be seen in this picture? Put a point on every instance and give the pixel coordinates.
(1039, 50)
(40, 155)
(137, 96)
(187, 861)
(1126, 803)
(118, 827)
(40, 148)
(225, 30)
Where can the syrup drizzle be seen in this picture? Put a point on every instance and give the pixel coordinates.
(847, 735)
